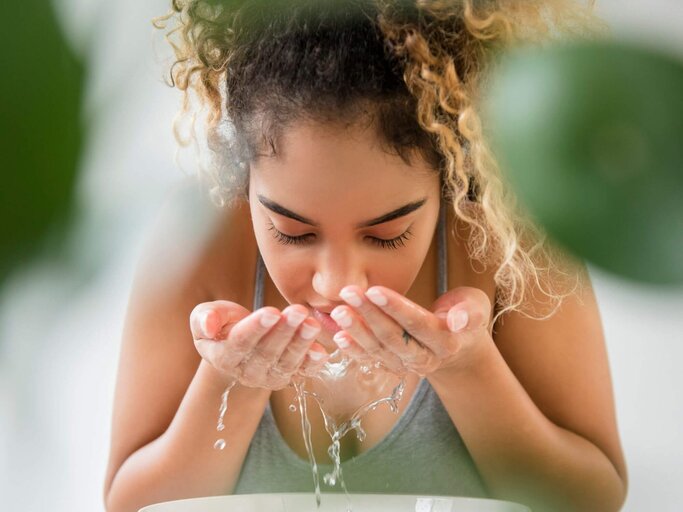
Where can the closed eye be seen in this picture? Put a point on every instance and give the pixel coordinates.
(393, 243)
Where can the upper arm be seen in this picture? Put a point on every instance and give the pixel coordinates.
(158, 358)
(562, 363)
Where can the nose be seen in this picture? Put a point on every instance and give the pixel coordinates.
(336, 270)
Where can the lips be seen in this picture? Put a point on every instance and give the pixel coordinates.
(326, 321)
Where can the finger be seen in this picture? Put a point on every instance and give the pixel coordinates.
(473, 301)
(385, 328)
(314, 360)
(266, 353)
(270, 348)
(296, 351)
(209, 319)
(355, 351)
(420, 323)
(353, 324)
(246, 333)
(352, 349)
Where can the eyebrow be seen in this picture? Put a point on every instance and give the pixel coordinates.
(394, 214)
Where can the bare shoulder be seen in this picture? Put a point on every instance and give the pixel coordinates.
(562, 363)
(195, 253)
(201, 245)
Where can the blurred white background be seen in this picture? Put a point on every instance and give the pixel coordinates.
(59, 336)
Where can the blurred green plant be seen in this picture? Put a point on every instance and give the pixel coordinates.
(590, 136)
(41, 135)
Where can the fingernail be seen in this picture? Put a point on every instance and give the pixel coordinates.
(351, 297)
(294, 317)
(308, 331)
(202, 322)
(376, 297)
(269, 319)
(342, 317)
(457, 320)
(315, 355)
(341, 340)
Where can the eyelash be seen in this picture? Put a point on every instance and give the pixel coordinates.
(393, 243)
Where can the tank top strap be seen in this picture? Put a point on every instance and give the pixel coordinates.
(442, 248)
(259, 281)
(442, 274)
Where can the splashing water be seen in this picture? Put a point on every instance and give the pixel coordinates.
(340, 415)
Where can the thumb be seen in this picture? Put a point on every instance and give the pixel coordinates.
(462, 307)
(448, 300)
(212, 319)
(456, 318)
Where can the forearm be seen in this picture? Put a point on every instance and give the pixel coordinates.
(520, 453)
(182, 463)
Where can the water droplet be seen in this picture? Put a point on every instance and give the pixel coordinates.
(220, 427)
(219, 445)
(292, 408)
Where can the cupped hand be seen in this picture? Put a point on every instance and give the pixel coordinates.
(263, 349)
(383, 325)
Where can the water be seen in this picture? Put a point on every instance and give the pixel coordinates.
(306, 430)
(220, 443)
(337, 430)
(325, 387)
(340, 416)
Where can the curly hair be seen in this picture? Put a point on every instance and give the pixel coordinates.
(414, 69)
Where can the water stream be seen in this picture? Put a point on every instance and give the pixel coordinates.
(340, 415)
(220, 443)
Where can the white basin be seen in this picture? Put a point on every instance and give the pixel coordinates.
(305, 502)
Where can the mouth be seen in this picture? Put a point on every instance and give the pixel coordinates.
(326, 321)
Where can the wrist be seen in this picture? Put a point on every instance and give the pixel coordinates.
(218, 382)
(211, 377)
(473, 358)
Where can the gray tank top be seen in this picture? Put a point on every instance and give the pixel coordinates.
(422, 454)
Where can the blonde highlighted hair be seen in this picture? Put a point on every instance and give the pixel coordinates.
(420, 79)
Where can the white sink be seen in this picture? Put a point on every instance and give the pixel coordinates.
(305, 502)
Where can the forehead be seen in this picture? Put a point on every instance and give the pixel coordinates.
(328, 159)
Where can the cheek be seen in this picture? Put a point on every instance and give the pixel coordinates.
(398, 273)
(288, 270)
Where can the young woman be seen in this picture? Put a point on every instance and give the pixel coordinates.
(360, 209)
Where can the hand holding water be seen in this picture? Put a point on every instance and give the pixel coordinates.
(383, 325)
(265, 348)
